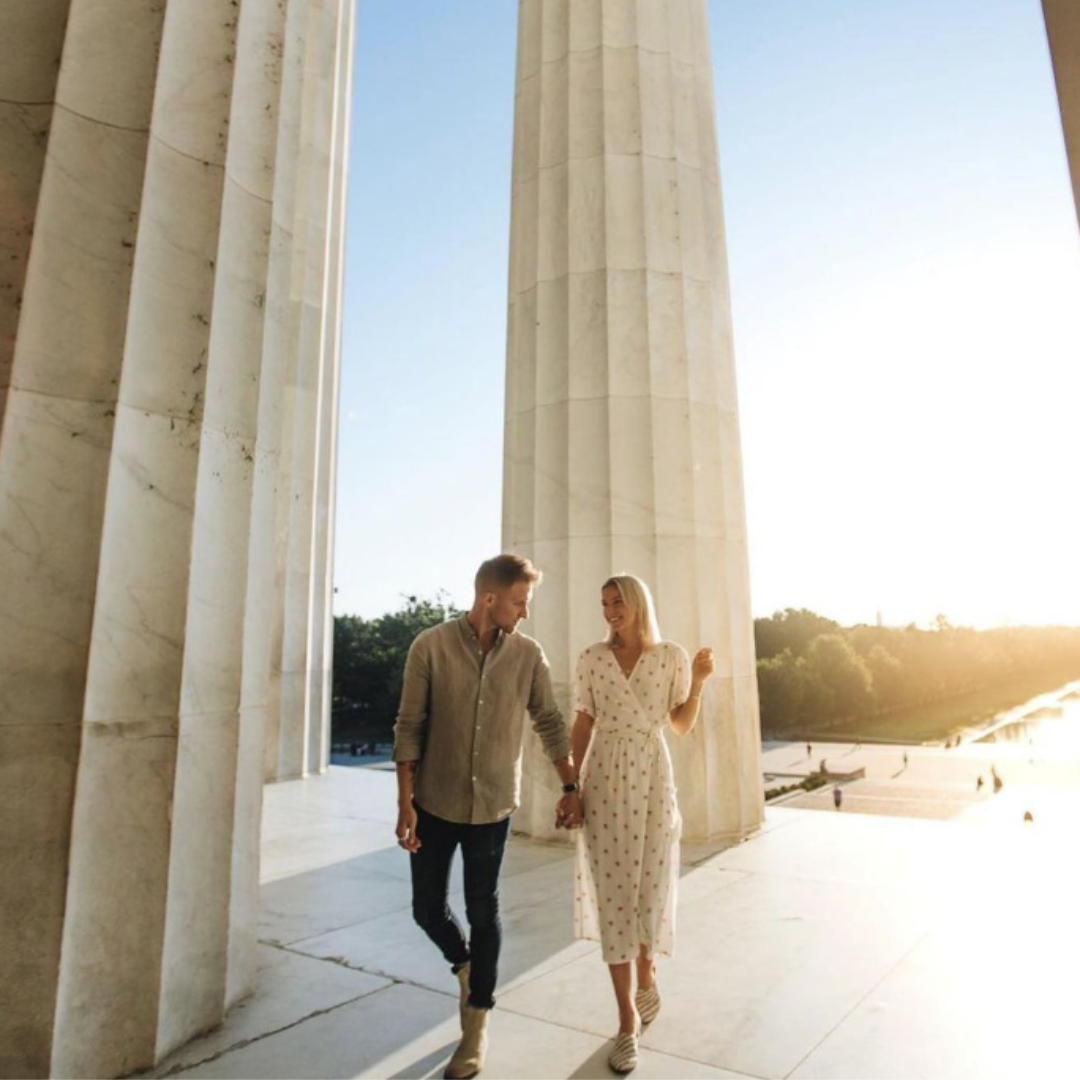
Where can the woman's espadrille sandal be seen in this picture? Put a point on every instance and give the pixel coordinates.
(648, 1003)
(624, 1057)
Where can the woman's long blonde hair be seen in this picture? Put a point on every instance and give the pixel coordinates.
(636, 596)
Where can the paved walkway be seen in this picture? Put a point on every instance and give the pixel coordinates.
(935, 782)
(831, 945)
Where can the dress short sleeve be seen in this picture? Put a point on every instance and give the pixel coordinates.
(583, 691)
(680, 680)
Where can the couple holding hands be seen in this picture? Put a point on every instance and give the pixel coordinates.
(458, 744)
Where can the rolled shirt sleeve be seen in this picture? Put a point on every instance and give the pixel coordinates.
(547, 720)
(410, 728)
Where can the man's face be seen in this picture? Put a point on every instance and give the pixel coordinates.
(509, 606)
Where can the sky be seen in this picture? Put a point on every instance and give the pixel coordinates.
(905, 280)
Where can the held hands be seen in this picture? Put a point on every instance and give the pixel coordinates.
(568, 811)
(406, 829)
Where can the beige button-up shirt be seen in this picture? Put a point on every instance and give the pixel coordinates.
(462, 718)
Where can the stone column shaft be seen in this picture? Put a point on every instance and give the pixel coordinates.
(183, 251)
(622, 441)
(301, 722)
(118, 883)
(70, 318)
(198, 933)
(321, 650)
(27, 100)
(1063, 31)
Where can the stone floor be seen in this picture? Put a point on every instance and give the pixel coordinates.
(830, 945)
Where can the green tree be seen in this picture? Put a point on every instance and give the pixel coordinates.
(780, 690)
(793, 629)
(832, 662)
(369, 661)
(887, 677)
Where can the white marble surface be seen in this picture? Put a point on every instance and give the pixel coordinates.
(76, 293)
(303, 716)
(412, 1033)
(292, 988)
(622, 442)
(109, 68)
(180, 133)
(69, 299)
(829, 945)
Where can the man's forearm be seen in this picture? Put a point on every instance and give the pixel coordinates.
(406, 782)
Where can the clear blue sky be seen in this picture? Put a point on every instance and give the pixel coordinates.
(905, 267)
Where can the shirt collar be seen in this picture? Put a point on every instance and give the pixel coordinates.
(470, 633)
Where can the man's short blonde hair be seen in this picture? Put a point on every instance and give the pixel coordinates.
(504, 571)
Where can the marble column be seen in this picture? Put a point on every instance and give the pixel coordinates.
(27, 99)
(622, 436)
(150, 318)
(1063, 31)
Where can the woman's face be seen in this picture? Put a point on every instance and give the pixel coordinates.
(619, 617)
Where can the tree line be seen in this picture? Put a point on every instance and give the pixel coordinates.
(369, 661)
(813, 673)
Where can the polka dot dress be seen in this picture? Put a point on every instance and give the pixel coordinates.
(628, 850)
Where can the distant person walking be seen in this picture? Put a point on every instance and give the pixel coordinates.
(905, 759)
(979, 783)
(837, 797)
(458, 745)
(809, 750)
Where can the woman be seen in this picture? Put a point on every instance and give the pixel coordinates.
(628, 686)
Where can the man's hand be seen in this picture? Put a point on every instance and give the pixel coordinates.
(569, 813)
(406, 829)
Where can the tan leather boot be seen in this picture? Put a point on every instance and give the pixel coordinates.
(468, 1058)
(463, 980)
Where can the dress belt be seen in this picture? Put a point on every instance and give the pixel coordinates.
(654, 734)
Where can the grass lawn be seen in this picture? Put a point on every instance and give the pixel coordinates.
(938, 719)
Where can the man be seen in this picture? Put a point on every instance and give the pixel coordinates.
(457, 745)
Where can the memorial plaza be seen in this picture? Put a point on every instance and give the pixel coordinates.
(830, 945)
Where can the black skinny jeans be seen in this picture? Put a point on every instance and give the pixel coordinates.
(482, 848)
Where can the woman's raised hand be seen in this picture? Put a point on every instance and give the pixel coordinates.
(703, 665)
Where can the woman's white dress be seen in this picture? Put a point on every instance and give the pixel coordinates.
(628, 849)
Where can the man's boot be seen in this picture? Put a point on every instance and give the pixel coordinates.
(468, 1058)
(463, 980)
